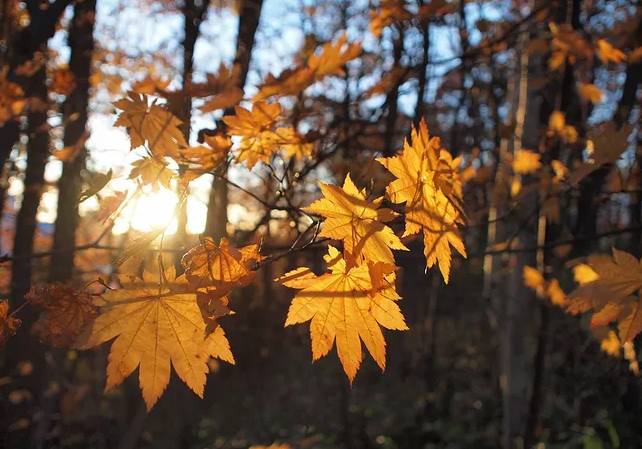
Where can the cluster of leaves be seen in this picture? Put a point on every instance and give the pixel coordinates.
(161, 314)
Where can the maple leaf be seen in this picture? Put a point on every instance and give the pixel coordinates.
(63, 81)
(12, 101)
(329, 61)
(333, 56)
(608, 53)
(388, 13)
(611, 292)
(344, 306)
(605, 145)
(207, 158)
(155, 325)
(150, 85)
(221, 266)
(428, 183)
(288, 139)
(359, 223)
(254, 127)
(526, 161)
(8, 324)
(534, 280)
(590, 92)
(152, 172)
(65, 312)
(150, 124)
(214, 270)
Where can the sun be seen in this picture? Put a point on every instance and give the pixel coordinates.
(149, 211)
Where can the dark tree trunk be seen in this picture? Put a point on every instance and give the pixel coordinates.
(249, 14)
(21, 48)
(37, 155)
(81, 42)
(392, 99)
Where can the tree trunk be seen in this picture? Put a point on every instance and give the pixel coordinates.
(81, 42)
(37, 155)
(249, 14)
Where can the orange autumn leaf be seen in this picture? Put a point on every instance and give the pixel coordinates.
(333, 56)
(152, 172)
(214, 270)
(358, 222)
(208, 157)
(65, 311)
(388, 13)
(611, 291)
(12, 101)
(155, 324)
(63, 81)
(590, 92)
(220, 266)
(150, 85)
(8, 324)
(329, 61)
(343, 306)
(150, 124)
(428, 183)
(550, 290)
(526, 161)
(254, 127)
(608, 53)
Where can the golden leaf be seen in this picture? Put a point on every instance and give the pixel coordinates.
(329, 61)
(526, 161)
(613, 295)
(155, 325)
(590, 92)
(152, 172)
(65, 312)
(428, 182)
(208, 157)
(63, 81)
(344, 306)
(221, 266)
(150, 124)
(254, 128)
(608, 53)
(359, 223)
(8, 324)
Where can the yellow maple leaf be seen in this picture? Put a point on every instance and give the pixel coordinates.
(220, 265)
(343, 306)
(612, 293)
(152, 172)
(388, 13)
(358, 222)
(155, 325)
(214, 270)
(590, 92)
(65, 312)
(526, 161)
(428, 183)
(608, 53)
(208, 157)
(333, 56)
(327, 62)
(293, 144)
(534, 280)
(255, 129)
(8, 324)
(150, 124)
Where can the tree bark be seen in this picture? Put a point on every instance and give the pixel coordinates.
(249, 14)
(75, 108)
